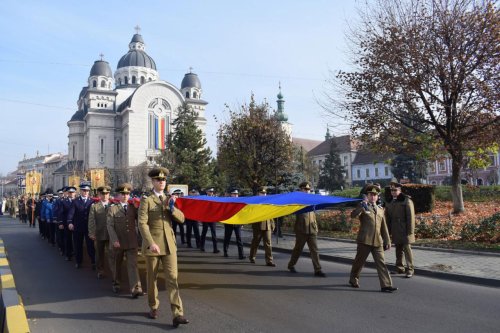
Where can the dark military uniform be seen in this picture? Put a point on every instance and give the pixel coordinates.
(78, 217)
(401, 223)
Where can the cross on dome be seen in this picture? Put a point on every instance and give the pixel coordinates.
(137, 29)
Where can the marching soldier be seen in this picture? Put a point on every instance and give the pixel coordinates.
(204, 229)
(158, 244)
(228, 231)
(306, 231)
(63, 224)
(373, 237)
(121, 221)
(78, 222)
(262, 230)
(400, 215)
(98, 230)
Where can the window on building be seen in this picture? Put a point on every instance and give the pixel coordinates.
(109, 85)
(74, 151)
(376, 172)
(432, 167)
(103, 84)
(150, 79)
(126, 80)
(346, 173)
(386, 171)
(102, 146)
(187, 94)
(442, 165)
(119, 81)
(367, 173)
(345, 161)
(94, 84)
(143, 79)
(195, 94)
(117, 147)
(492, 160)
(358, 174)
(133, 80)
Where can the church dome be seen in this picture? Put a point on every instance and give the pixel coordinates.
(190, 80)
(136, 56)
(101, 68)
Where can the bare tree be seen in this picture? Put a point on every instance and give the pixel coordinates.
(426, 76)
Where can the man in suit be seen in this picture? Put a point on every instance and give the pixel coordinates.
(262, 230)
(98, 230)
(123, 238)
(158, 244)
(306, 231)
(78, 222)
(228, 231)
(211, 225)
(373, 237)
(400, 215)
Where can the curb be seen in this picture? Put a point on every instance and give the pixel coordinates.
(13, 315)
(418, 271)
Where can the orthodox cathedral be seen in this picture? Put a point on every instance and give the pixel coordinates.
(123, 120)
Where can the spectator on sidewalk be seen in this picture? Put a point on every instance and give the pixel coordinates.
(400, 214)
(306, 231)
(373, 237)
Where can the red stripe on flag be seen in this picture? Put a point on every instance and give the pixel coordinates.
(208, 211)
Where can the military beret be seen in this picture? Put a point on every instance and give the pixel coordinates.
(158, 173)
(124, 188)
(305, 185)
(373, 189)
(103, 189)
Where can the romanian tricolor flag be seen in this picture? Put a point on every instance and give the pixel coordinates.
(160, 132)
(245, 210)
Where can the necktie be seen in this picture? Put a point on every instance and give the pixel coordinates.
(125, 208)
(161, 198)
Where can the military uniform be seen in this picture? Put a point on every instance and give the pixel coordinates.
(155, 224)
(372, 237)
(121, 229)
(99, 232)
(400, 215)
(262, 230)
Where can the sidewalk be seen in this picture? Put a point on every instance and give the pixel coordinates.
(459, 265)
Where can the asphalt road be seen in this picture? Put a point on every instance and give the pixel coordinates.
(228, 295)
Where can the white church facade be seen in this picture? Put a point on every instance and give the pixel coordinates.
(123, 120)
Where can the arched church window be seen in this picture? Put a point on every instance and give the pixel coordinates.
(133, 79)
(126, 80)
(103, 84)
(187, 94)
(195, 94)
(109, 85)
(94, 84)
(143, 80)
(159, 113)
(119, 81)
(150, 79)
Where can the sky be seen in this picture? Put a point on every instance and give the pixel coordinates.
(236, 47)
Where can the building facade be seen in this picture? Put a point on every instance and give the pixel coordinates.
(123, 119)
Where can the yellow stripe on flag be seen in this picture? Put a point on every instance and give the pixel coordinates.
(257, 213)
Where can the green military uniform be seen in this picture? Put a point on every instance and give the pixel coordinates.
(262, 230)
(121, 229)
(400, 215)
(155, 225)
(98, 230)
(372, 237)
